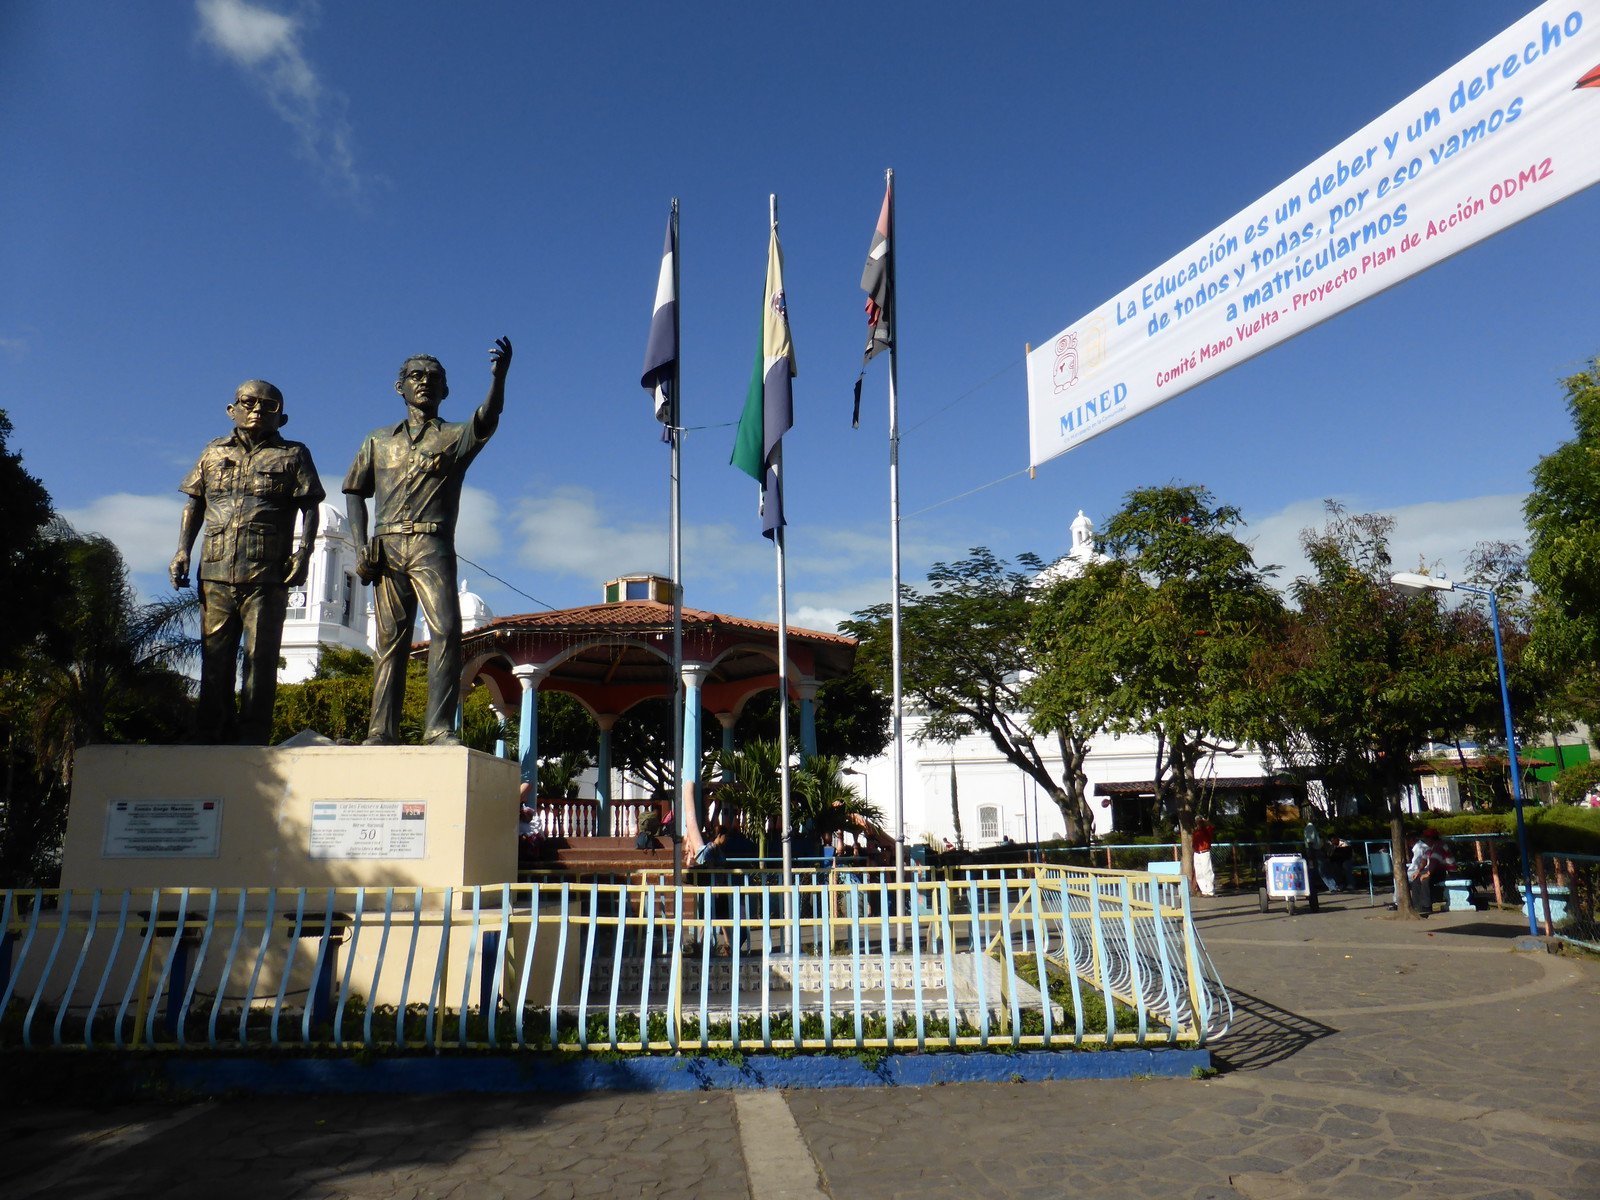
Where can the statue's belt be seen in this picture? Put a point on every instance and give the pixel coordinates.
(410, 527)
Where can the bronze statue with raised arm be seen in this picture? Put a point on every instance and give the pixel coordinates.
(412, 471)
(246, 489)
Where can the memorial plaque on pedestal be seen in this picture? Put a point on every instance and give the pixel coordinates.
(248, 816)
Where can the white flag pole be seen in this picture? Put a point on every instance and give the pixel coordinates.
(784, 776)
(894, 548)
(676, 539)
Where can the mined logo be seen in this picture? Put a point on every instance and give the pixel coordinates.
(1066, 372)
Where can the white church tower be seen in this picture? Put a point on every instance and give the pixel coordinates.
(334, 609)
(1081, 555)
(331, 609)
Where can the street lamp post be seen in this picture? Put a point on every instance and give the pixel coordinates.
(1423, 583)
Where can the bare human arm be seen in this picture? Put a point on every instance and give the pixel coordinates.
(487, 419)
(188, 529)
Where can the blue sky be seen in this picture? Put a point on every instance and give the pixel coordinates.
(199, 194)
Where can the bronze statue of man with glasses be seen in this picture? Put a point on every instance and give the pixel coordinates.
(246, 488)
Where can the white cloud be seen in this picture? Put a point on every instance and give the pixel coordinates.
(824, 620)
(567, 531)
(144, 528)
(478, 524)
(265, 45)
(1436, 534)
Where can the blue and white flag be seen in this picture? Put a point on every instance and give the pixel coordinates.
(661, 351)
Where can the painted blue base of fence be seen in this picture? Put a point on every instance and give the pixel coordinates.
(508, 1074)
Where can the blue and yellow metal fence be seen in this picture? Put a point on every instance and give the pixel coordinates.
(1016, 957)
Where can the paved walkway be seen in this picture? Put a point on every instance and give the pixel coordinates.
(1371, 1059)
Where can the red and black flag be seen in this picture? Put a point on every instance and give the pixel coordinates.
(877, 281)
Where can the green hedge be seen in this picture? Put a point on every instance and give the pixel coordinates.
(1556, 829)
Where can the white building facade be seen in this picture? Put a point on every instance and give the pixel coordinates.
(995, 800)
(334, 608)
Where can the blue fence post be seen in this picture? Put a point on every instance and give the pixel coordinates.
(178, 983)
(322, 986)
(491, 955)
(7, 941)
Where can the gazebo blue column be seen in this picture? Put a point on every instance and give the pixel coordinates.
(808, 718)
(529, 677)
(507, 714)
(727, 720)
(602, 783)
(694, 678)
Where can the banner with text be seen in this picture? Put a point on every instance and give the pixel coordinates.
(1508, 131)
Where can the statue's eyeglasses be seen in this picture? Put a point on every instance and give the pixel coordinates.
(264, 403)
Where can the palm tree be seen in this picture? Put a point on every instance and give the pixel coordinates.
(821, 802)
(106, 673)
(752, 786)
(826, 804)
(102, 672)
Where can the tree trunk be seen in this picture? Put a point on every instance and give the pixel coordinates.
(1183, 761)
(1073, 799)
(1397, 851)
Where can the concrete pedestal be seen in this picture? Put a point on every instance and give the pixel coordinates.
(255, 817)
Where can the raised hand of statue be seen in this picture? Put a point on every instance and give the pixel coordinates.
(500, 358)
(178, 570)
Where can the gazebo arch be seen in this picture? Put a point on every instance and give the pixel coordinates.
(613, 655)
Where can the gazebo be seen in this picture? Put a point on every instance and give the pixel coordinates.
(613, 655)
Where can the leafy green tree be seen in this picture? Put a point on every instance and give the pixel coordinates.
(821, 803)
(33, 572)
(337, 702)
(752, 786)
(641, 743)
(1365, 673)
(853, 718)
(1162, 639)
(1542, 703)
(100, 672)
(569, 741)
(1577, 782)
(1563, 515)
(965, 655)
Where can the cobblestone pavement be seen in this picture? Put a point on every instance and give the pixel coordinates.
(1370, 1059)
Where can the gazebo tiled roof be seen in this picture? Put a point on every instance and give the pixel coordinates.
(613, 655)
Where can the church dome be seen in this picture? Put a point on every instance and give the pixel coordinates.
(333, 520)
(475, 613)
(1071, 564)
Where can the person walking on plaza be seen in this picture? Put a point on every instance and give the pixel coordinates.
(1430, 859)
(1205, 875)
(1317, 858)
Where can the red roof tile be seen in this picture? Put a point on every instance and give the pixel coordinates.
(646, 616)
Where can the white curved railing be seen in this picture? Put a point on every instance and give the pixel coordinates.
(847, 963)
